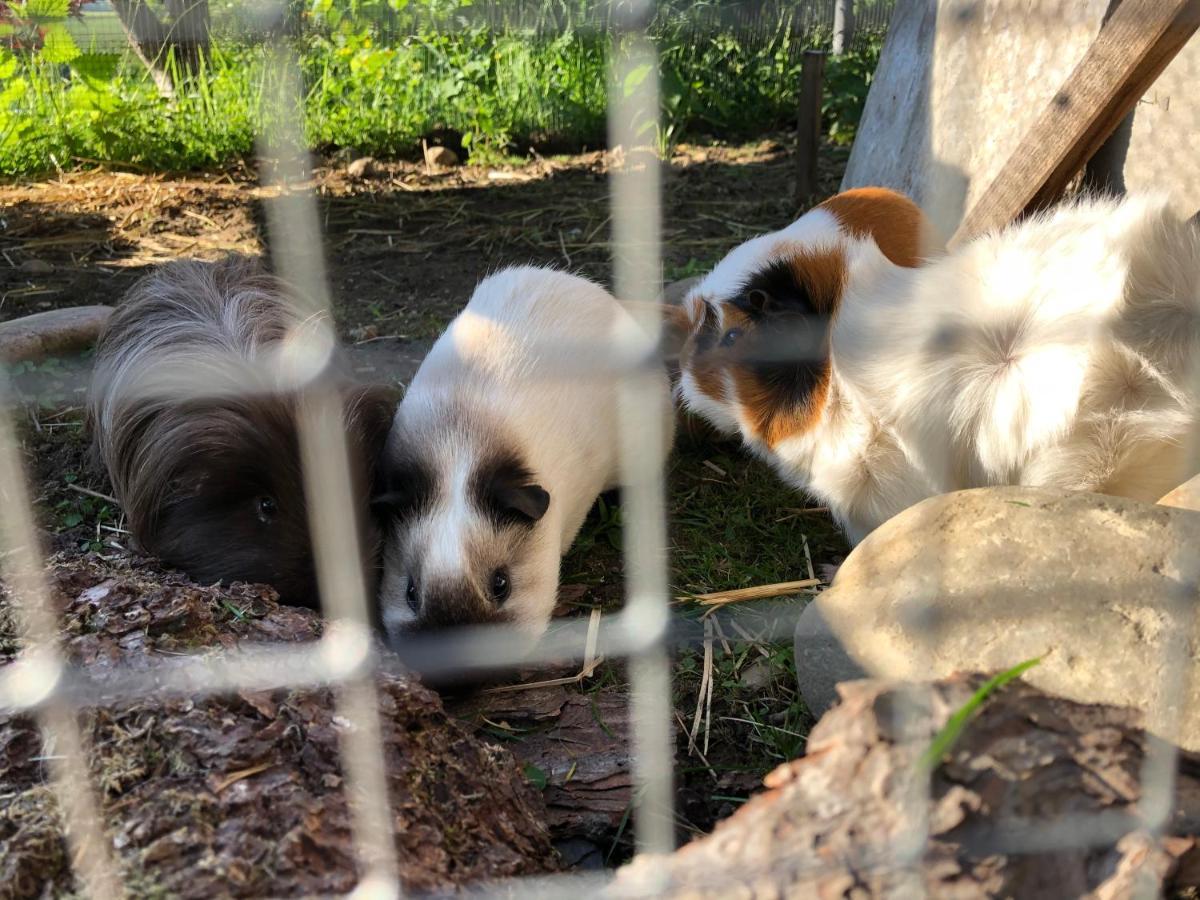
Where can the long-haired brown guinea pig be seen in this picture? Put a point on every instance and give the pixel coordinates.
(198, 433)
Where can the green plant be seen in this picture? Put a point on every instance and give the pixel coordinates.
(379, 75)
(847, 82)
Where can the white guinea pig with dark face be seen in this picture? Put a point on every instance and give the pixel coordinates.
(497, 453)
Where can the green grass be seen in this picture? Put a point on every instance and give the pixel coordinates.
(731, 528)
(371, 93)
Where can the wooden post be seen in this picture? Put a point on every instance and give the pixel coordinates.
(1133, 47)
(808, 125)
(843, 25)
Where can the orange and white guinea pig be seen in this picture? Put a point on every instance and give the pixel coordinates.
(873, 371)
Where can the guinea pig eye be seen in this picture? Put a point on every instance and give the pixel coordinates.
(729, 338)
(501, 586)
(266, 509)
(411, 596)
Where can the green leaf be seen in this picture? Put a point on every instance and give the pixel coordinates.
(59, 47)
(634, 77)
(536, 776)
(96, 69)
(946, 738)
(8, 63)
(71, 519)
(45, 9)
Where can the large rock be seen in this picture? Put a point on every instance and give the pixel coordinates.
(839, 821)
(1103, 588)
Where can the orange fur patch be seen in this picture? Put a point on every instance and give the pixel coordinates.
(897, 225)
(824, 277)
(772, 424)
(707, 373)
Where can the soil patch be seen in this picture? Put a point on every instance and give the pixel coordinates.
(406, 245)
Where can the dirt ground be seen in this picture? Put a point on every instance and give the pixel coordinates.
(406, 246)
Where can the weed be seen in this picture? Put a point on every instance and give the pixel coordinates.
(945, 739)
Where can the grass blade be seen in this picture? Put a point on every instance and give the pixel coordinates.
(946, 738)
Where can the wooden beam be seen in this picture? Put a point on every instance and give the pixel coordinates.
(1131, 50)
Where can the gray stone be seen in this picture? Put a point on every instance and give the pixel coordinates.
(1103, 588)
(756, 676)
(363, 167)
(822, 663)
(36, 267)
(442, 157)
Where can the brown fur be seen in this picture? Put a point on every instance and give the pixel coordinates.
(191, 470)
(896, 224)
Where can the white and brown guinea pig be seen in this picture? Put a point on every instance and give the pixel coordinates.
(497, 453)
(211, 483)
(1056, 352)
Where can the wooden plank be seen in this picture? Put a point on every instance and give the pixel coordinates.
(808, 125)
(1133, 47)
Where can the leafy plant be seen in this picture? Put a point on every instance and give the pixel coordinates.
(847, 82)
(39, 26)
(380, 75)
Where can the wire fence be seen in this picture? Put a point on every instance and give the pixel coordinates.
(754, 23)
(42, 684)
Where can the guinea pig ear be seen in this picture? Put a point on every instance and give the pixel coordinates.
(369, 412)
(676, 328)
(526, 501)
(759, 302)
(901, 231)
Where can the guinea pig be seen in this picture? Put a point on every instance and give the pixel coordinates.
(211, 483)
(874, 372)
(497, 453)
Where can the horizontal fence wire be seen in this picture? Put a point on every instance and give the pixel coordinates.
(757, 24)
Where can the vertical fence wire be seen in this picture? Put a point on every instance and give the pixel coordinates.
(637, 265)
(41, 670)
(295, 237)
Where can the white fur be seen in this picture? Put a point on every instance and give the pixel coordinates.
(1057, 352)
(501, 375)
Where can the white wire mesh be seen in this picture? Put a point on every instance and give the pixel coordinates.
(39, 681)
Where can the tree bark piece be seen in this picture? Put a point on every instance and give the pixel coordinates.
(830, 824)
(1186, 496)
(243, 795)
(580, 742)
